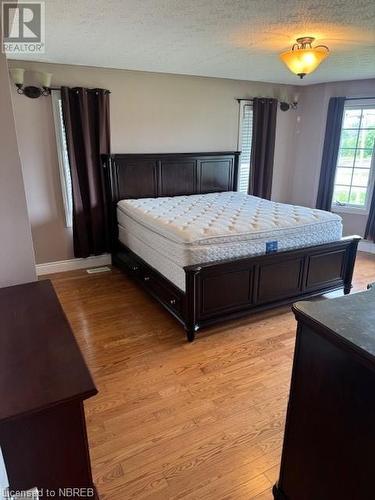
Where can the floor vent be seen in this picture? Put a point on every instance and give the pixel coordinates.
(95, 270)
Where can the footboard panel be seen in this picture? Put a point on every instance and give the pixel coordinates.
(228, 289)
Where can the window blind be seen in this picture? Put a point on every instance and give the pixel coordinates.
(245, 137)
(62, 152)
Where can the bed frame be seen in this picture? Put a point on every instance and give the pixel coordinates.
(227, 289)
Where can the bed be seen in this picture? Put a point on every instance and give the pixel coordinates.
(208, 253)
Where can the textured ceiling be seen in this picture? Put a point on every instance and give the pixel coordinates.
(238, 39)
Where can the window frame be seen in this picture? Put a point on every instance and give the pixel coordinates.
(242, 104)
(63, 160)
(351, 208)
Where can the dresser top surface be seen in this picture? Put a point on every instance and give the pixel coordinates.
(351, 317)
(40, 362)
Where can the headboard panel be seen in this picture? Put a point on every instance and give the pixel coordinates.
(152, 175)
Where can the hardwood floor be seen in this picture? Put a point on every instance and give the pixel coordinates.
(175, 420)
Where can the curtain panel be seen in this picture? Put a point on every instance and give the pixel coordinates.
(330, 153)
(87, 128)
(370, 226)
(263, 147)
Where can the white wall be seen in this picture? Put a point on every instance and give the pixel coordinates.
(312, 110)
(16, 249)
(150, 112)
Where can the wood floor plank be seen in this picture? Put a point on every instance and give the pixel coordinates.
(173, 420)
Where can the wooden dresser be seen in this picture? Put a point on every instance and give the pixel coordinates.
(43, 383)
(329, 441)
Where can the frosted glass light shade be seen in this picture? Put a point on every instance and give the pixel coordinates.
(17, 75)
(305, 60)
(45, 79)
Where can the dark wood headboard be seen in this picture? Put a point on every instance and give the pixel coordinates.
(173, 174)
(167, 174)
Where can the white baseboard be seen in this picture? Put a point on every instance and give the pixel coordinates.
(366, 246)
(73, 264)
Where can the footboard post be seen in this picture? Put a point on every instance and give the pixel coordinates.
(352, 253)
(191, 325)
(190, 334)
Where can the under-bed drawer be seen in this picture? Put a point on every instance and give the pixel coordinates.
(150, 280)
(164, 294)
(134, 267)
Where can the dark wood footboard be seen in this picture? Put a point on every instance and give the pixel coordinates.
(229, 289)
(223, 290)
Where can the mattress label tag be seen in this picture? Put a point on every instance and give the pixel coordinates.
(271, 246)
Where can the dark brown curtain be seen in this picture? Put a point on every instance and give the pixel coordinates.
(370, 226)
(262, 147)
(330, 152)
(86, 120)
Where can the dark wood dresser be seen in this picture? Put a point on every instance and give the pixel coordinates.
(329, 441)
(43, 383)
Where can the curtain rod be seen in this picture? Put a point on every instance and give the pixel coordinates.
(88, 90)
(358, 98)
(239, 99)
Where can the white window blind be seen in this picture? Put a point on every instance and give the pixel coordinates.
(62, 153)
(244, 144)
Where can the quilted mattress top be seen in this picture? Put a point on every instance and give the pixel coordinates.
(220, 217)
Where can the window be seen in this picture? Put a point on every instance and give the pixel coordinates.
(354, 180)
(62, 153)
(244, 144)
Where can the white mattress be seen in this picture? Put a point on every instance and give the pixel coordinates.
(184, 230)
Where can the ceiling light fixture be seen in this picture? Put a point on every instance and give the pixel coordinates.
(303, 58)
